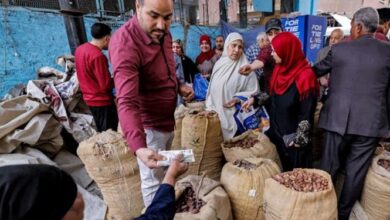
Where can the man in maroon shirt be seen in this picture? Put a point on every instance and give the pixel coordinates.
(95, 80)
(147, 87)
(264, 60)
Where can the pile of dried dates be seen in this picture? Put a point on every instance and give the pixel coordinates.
(384, 163)
(302, 181)
(245, 143)
(187, 202)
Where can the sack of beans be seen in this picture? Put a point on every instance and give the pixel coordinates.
(115, 170)
(250, 144)
(196, 105)
(179, 115)
(244, 182)
(202, 133)
(383, 147)
(198, 197)
(301, 194)
(376, 192)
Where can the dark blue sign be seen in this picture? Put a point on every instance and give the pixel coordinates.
(315, 31)
(310, 30)
(296, 26)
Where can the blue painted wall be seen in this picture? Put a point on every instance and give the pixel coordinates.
(31, 39)
(307, 7)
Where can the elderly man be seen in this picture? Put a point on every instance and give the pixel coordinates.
(264, 59)
(335, 37)
(253, 51)
(356, 114)
(147, 87)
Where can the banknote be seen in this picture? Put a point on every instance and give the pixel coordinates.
(169, 155)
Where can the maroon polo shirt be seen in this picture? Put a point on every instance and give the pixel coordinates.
(145, 82)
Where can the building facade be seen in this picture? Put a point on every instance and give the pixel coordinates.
(349, 7)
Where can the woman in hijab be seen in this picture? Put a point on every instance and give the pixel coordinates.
(38, 192)
(207, 57)
(226, 84)
(189, 67)
(294, 90)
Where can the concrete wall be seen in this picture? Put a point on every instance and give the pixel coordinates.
(31, 39)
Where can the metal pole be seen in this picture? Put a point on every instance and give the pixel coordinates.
(207, 12)
(74, 23)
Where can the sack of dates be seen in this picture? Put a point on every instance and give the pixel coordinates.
(115, 170)
(198, 197)
(383, 147)
(202, 133)
(376, 192)
(301, 194)
(244, 182)
(179, 115)
(250, 144)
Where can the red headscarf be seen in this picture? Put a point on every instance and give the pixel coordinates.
(294, 67)
(207, 55)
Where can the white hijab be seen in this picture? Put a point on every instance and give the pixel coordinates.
(225, 83)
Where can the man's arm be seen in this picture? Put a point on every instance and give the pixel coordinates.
(324, 66)
(163, 204)
(125, 65)
(262, 58)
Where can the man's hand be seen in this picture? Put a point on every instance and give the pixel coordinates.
(149, 157)
(245, 70)
(177, 168)
(186, 92)
(248, 104)
(231, 103)
(324, 81)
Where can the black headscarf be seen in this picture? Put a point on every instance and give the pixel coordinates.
(35, 192)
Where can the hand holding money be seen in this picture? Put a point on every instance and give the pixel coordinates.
(177, 168)
(170, 155)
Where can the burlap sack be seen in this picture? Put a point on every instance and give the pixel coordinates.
(245, 187)
(376, 192)
(202, 133)
(17, 112)
(179, 115)
(264, 149)
(115, 170)
(358, 213)
(197, 106)
(217, 201)
(282, 203)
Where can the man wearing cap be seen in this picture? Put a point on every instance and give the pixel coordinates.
(264, 60)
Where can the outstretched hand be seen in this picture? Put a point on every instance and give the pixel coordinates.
(149, 157)
(231, 103)
(245, 70)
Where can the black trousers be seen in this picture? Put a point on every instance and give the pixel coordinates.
(106, 117)
(355, 153)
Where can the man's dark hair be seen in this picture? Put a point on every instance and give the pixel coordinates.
(99, 30)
